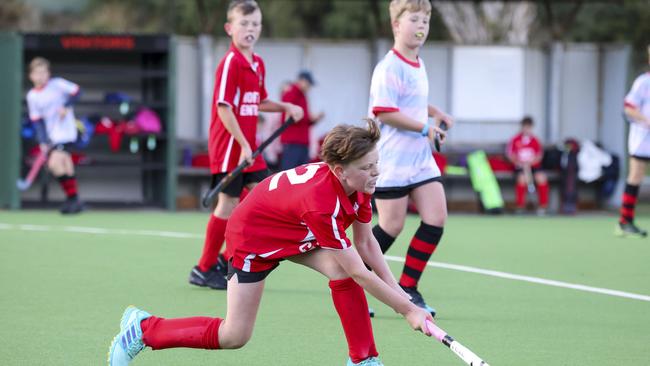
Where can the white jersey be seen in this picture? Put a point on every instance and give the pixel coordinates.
(638, 142)
(405, 157)
(46, 102)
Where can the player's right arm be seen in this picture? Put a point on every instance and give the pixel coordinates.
(385, 93)
(635, 114)
(229, 121)
(635, 98)
(36, 117)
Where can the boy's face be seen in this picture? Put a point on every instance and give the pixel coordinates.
(527, 129)
(244, 29)
(361, 175)
(39, 76)
(412, 28)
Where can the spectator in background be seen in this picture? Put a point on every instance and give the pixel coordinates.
(637, 110)
(525, 151)
(50, 110)
(295, 140)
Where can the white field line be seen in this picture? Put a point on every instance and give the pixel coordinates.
(541, 281)
(455, 267)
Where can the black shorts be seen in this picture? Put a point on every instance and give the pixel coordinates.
(399, 192)
(248, 277)
(67, 147)
(642, 158)
(235, 187)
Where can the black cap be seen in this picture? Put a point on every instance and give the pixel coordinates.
(306, 75)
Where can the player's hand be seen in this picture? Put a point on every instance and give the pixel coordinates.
(443, 117)
(437, 131)
(294, 111)
(246, 154)
(417, 317)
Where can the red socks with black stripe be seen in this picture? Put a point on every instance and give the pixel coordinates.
(424, 243)
(629, 204)
(68, 185)
(352, 307)
(195, 332)
(214, 237)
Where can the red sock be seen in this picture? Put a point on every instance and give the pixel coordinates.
(195, 332)
(69, 185)
(424, 243)
(629, 203)
(350, 302)
(542, 195)
(214, 236)
(520, 195)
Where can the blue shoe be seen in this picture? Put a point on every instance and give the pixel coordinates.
(370, 361)
(128, 342)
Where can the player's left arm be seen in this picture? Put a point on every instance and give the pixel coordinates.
(369, 250)
(290, 109)
(72, 94)
(440, 116)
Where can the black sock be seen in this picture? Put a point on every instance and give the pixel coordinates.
(383, 238)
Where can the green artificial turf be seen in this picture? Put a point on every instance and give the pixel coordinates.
(64, 287)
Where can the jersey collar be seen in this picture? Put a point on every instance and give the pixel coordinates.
(401, 57)
(253, 66)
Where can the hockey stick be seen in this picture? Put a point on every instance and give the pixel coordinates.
(436, 141)
(461, 351)
(528, 177)
(209, 196)
(24, 184)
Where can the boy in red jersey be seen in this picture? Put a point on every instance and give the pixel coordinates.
(239, 94)
(300, 215)
(525, 151)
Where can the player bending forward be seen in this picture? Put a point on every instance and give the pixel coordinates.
(301, 215)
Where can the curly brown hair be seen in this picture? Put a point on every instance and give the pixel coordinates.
(346, 143)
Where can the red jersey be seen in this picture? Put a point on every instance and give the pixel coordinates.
(524, 147)
(297, 133)
(240, 85)
(292, 212)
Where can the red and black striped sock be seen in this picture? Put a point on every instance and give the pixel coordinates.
(629, 203)
(69, 185)
(423, 244)
(383, 238)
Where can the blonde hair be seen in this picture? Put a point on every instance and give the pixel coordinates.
(398, 7)
(245, 6)
(345, 143)
(38, 62)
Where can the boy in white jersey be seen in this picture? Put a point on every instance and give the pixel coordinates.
(637, 110)
(399, 93)
(50, 109)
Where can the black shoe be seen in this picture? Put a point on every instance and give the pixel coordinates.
(212, 278)
(371, 312)
(631, 230)
(416, 298)
(72, 206)
(222, 265)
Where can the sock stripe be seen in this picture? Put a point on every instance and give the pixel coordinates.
(428, 233)
(414, 253)
(411, 272)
